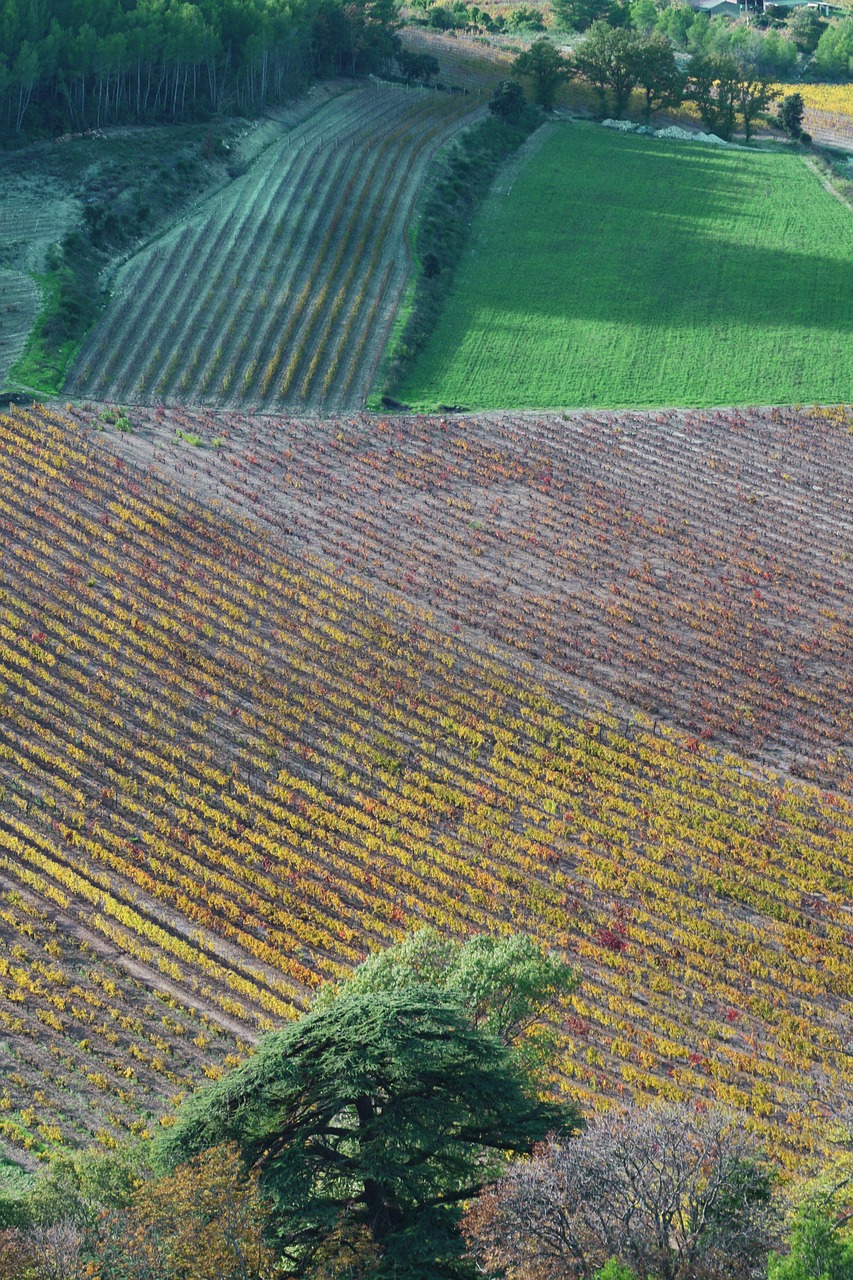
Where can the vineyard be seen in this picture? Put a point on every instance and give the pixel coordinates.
(19, 304)
(641, 555)
(829, 112)
(281, 291)
(571, 294)
(237, 753)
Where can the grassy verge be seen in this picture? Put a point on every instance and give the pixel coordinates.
(70, 304)
(460, 181)
(128, 185)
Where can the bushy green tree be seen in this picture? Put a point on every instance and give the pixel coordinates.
(806, 28)
(525, 18)
(675, 22)
(712, 83)
(507, 101)
(417, 66)
(546, 67)
(508, 985)
(657, 73)
(644, 14)
(752, 96)
(791, 114)
(817, 1250)
(609, 58)
(578, 15)
(382, 1111)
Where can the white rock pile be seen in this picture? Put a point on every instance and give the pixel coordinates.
(673, 131)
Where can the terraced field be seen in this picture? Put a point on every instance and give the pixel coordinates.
(281, 291)
(234, 757)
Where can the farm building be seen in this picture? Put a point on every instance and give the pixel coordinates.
(825, 10)
(714, 8)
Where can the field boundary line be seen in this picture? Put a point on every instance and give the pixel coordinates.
(824, 181)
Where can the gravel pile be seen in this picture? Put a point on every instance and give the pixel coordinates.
(673, 131)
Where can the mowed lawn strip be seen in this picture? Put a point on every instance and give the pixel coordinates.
(626, 271)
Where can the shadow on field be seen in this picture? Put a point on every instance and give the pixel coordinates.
(670, 236)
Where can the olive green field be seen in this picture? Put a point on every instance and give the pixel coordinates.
(629, 271)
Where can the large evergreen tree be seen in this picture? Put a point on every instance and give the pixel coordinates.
(378, 1114)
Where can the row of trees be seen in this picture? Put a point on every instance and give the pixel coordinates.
(771, 44)
(399, 1130)
(616, 61)
(821, 47)
(81, 64)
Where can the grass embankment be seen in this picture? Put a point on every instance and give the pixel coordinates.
(626, 271)
(458, 186)
(69, 305)
(128, 184)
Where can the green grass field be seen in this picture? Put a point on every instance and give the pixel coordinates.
(626, 271)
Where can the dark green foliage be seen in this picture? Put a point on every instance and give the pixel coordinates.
(753, 96)
(817, 1250)
(525, 18)
(791, 114)
(546, 68)
(834, 52)
(72, 66)
(507, 101)
(389, 1106)
(577, 15)
(657, 72)
(510, 987)
(611, 59)
(460, 181)
(456, 17)
(422, 67)
(676, 22)
(723, 89)
(713, 86)
(806, 29)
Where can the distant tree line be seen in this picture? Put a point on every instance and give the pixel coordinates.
(616, 61)
(777, 42)
(73, 65)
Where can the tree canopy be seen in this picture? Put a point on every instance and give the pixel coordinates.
(382, 1110)
(78, 64)
(508, 986)
(547, 69)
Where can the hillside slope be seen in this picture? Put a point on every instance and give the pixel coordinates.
(280, 291)
(238, 766)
